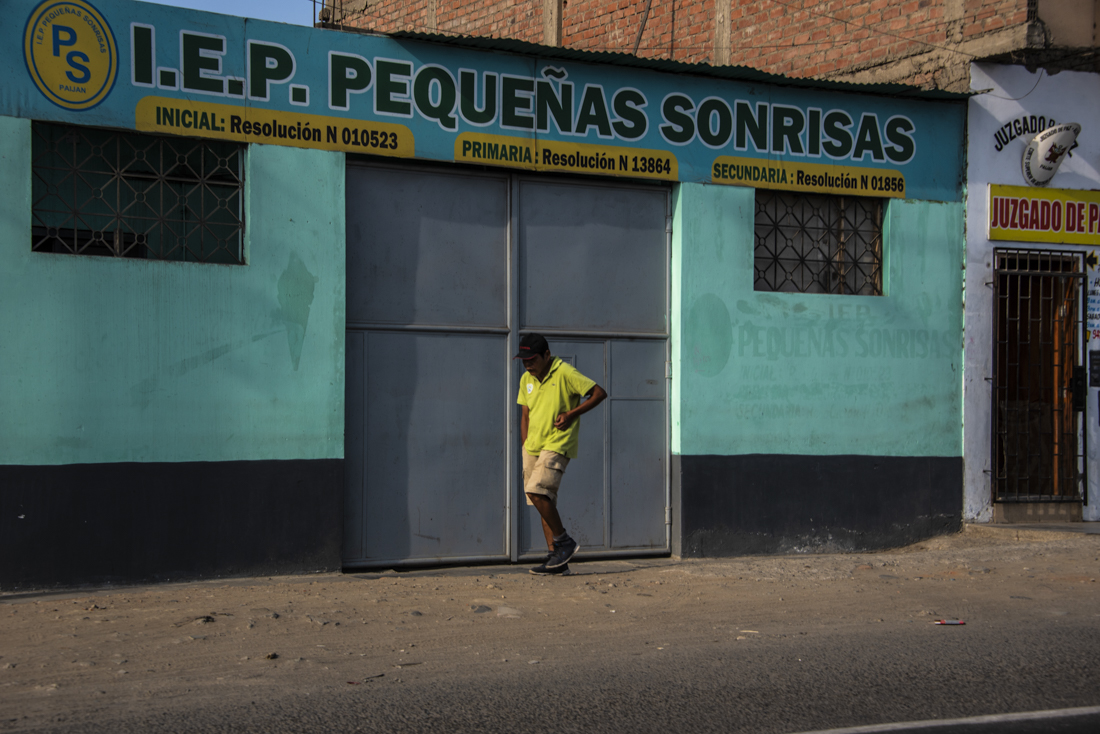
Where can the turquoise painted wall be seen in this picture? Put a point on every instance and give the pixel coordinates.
(777, 373)
(110, 360)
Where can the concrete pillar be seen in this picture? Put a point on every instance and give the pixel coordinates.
(721, 56)
(551, 22)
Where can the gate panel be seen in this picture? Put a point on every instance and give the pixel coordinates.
(592, 258)
(355, 444)
(435, 455)
(636, 398)
(593, 264)
(637, 370)
(436, 248)
(637, 474)
(427, 368)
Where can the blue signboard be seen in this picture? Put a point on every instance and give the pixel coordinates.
(154, 68)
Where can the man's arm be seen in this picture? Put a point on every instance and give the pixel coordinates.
(593, 397)
(524, 419)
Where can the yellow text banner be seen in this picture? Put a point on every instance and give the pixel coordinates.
(816, 178)
(273, 127)
(549, 155)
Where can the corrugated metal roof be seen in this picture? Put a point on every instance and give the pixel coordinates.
(735, 73)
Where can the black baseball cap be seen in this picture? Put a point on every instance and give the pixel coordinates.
(532, 345)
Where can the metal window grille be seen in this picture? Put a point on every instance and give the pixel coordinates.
(814, 243)
(1039, 378)
(121, 194)
(1032, 11)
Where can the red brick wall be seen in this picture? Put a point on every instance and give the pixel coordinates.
(794, 37)
(809, 37)
(519, 19)
(680, 30)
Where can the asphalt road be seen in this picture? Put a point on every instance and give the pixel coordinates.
(746, 645)
(791, 684)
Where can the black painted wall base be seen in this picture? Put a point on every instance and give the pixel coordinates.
(756, 504)
(128, 523)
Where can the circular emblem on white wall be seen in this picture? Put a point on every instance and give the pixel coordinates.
(1046, 151)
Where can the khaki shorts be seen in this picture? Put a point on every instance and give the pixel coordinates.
(542, 474)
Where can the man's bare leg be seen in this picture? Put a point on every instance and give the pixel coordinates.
(551, 520)
(549, 536)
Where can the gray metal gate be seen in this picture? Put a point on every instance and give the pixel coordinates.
(446, 269)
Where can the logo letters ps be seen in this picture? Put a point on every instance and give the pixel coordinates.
(70, 53)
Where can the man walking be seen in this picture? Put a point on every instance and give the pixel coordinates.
(550, 393)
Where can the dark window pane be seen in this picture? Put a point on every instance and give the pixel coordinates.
(101, 192)
(812, 243)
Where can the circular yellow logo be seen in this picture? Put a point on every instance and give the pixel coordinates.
(70, 53)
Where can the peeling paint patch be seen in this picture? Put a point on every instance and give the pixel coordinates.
(709, 335)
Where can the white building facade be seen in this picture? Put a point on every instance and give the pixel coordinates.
(1032, 309)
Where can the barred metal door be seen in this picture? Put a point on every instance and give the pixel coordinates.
(1039, 378)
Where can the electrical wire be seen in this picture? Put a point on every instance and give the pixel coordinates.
(1042, 72)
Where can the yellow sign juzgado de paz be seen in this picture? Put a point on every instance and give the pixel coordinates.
(1057, 216)
(813, 178)
(549, 155)
(273, 127)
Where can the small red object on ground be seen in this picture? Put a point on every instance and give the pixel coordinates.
(949, 621)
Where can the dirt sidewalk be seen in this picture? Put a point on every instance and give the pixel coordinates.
(73, 655)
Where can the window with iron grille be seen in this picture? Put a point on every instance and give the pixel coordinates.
(122, 194)
(817, 243)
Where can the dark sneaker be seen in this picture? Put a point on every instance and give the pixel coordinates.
(542, 570)
(563, 551)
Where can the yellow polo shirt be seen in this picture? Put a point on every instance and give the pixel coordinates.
(561, 390)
